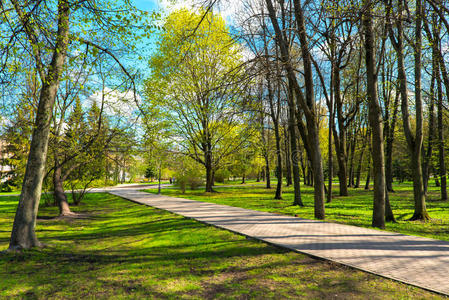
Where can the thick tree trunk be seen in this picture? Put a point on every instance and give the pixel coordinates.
(375, 119)
(23, 233)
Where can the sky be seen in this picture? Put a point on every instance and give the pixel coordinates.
(148, 45)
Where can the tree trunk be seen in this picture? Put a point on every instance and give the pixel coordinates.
(23, 233)
(279, 175)
(431, 134)
(330, 164)
(267, 172)
(159, 183)
(340, 135)
(359, 166)
(58, 192)
(310, 113)
(351, 163)
(439, 64)
(294, 148)
(389, 146)
(389, 216)
(442, 164)
(435, 41)
(288, 165)
(375, 118)
(368, 177)
(414, 142)
(209, 171)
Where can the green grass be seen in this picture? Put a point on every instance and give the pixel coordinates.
(123, 250)
(356, 209)
(9, 193)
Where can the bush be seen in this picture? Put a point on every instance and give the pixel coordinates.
(222, 175)
(191, 178)
(195, 182)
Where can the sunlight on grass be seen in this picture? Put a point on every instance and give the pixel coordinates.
(356, 209)
(123, 250)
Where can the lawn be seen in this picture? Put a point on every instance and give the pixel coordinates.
(356, 209)
(118, 249)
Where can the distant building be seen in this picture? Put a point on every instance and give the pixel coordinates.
(5, 170)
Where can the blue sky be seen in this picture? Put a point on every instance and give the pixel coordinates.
(148, 5)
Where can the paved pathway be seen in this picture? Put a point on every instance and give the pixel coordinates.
(418, 261)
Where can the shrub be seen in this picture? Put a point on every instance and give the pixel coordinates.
(191, 178)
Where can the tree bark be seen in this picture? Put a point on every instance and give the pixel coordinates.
(415, 141)
(159, 181)
(438, 63)
(307, 103)
(375, 118)
(330, 164)
(310, 112)
(351, 162)
(359, 164)
(389, 145)
(288, 164)
(23, 233)
(209, 168)
(340, 136)
(58, 192)
(442, 163)
(294, 148)
(431, 133)
(278, 194)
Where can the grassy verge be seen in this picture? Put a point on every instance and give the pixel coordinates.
(353, 210)
(119, 249)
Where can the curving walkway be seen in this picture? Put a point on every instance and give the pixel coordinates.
(414, 260)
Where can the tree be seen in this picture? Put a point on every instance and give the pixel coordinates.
(375, 117)
(305, 101)
(47, 29)
(198, 82)
(414, 140)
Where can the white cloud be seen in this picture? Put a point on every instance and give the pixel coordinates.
(227, 8)
(115, 103)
